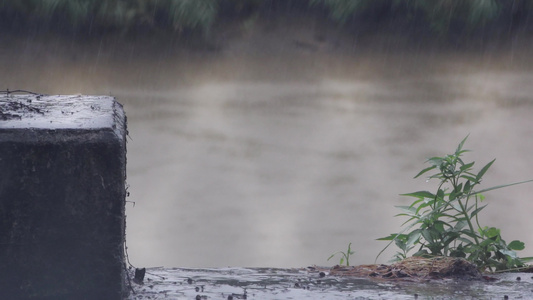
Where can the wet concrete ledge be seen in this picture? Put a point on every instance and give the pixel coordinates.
(62, 197)
(316, 283)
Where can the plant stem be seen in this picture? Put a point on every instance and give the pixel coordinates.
(465, 213)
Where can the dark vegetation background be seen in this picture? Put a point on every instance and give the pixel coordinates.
(449, 21)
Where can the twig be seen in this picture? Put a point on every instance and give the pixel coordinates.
(7, 91)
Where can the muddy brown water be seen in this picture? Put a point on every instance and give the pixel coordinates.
(277, 155)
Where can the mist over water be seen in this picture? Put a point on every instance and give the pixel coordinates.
(281, 159)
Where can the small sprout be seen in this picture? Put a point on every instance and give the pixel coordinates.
(344, 255)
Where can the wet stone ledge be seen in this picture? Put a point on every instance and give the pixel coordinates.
(62, 197)
(317, 283)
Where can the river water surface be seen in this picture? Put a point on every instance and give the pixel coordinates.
(280, 159)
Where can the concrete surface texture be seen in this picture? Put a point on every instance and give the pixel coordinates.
(62, 197)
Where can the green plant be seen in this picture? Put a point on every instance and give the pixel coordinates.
(447, 220)
(344, 255)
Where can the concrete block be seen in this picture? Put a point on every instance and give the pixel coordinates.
(62, 197)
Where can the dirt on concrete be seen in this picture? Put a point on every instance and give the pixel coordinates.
(415, 269)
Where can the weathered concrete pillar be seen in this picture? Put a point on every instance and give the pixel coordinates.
(62, 197)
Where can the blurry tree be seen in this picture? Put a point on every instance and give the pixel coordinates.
(442, 16)
(192, 13)
(342, 10)
(123, 14)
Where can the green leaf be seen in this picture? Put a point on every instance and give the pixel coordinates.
(500, 186)
(486, 242)
(417, 218)
(440, 193)
(460, 225)
(407, 209)
(526, 259)
(420, 194)
(387, 238)
(427, 235)
(439, 226)
(457, 253)
(516, 245)
(461, 153)
(460, 147)
(438, 175)
(492, 232)
(469, 208)
(456, 206)
(418, 204)
(424, 171)
(453, 196)
(509, 253)
(421, 253)
(413, 238)
(400, 244)
(466, 242)
(435, 161)
(470, 178)
(475, 212)
(421, 206)
(484, 170)
(450, 238)
(467, 166)
(458, 188)
(469, 233)
(467, 187)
